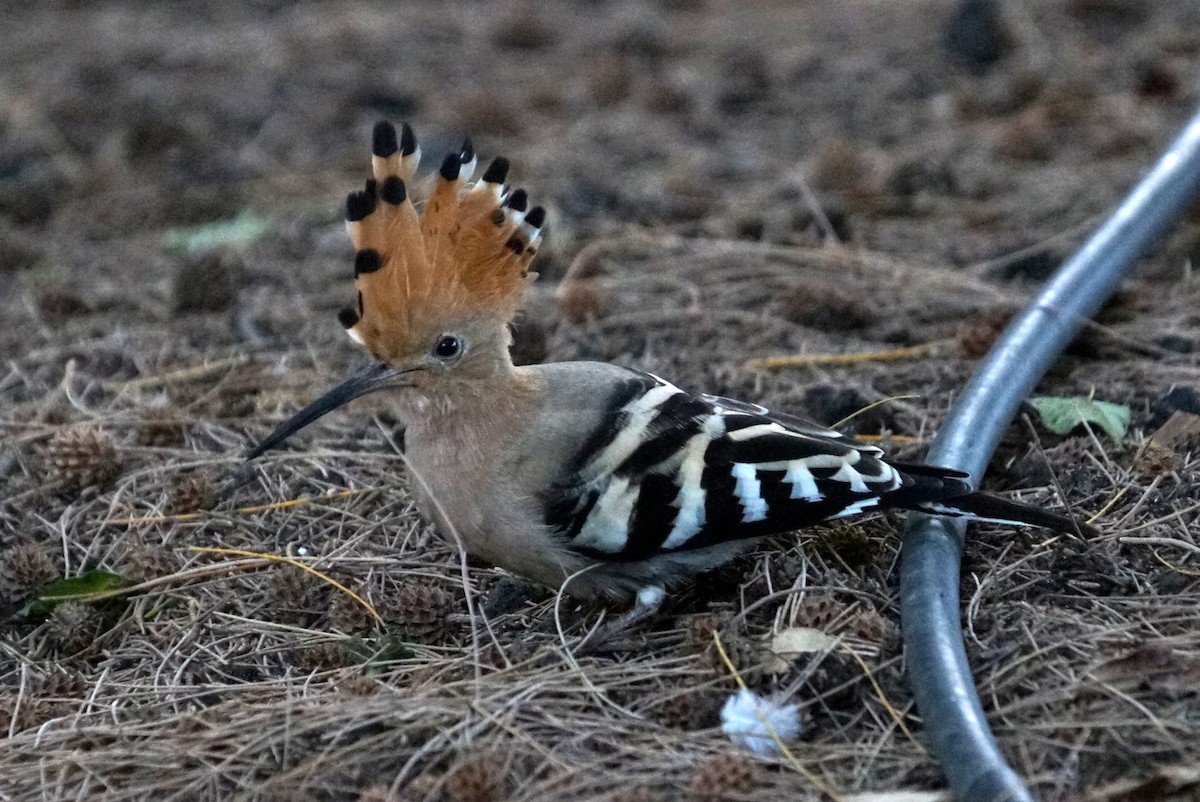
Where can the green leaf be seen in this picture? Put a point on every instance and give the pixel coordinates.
(1061, 414)
(75, 588)
(245, 229)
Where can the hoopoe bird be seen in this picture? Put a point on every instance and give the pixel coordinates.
(612, 478)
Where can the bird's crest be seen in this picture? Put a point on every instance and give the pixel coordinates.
(464, 251)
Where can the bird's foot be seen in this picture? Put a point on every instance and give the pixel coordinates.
(605, 637)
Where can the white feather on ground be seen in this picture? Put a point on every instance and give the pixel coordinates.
(749, 719)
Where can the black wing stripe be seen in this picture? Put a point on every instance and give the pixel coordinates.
(733, 405)
(917, 469)
(653, 517)
(677, 421)
(776, 492)
(722, 510)
(737, 421)
(773, 447)
(793, 422)
(603, 436)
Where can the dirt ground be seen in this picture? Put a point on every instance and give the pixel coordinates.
(725, 181)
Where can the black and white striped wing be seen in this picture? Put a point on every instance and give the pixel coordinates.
(673, 471)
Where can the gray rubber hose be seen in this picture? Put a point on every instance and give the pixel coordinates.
(955, 727)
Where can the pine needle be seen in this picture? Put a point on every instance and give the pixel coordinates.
(844, 360)
(275, 505)
(262, 555)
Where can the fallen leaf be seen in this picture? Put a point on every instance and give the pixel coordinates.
(75, 588)
(794, 641)
(1166, 784)
(245, 229)
(1182, 429)
(1062, 414)
(1153, 666)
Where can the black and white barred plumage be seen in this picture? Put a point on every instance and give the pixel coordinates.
(670, 471)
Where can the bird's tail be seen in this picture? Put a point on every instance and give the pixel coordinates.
(993, 509)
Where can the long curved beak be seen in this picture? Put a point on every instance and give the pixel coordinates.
(368, 380)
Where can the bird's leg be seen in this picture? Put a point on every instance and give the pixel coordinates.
(648, 602)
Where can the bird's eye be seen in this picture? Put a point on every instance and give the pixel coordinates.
(447, 347)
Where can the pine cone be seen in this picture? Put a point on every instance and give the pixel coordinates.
(297, 593)
(868, 625)
(479, 779)
(146, 561)
(726, 775)
(60, 683)
(636, 794)
(74, 625)
(325, 656)
(421, 607)
(24, 568)
(745, 654)
(161, 428)
(54, 694)
(380, 792)
(355, 683)
(700, 629)
(819, 612)
(693, 710)
(82, 456)
(346, 614)
(195, 492)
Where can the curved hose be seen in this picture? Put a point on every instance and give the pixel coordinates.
(955, 728)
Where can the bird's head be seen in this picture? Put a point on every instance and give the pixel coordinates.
(435, 287)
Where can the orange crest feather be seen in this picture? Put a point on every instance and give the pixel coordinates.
(466, 253)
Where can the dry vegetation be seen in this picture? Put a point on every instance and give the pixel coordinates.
(697, 187)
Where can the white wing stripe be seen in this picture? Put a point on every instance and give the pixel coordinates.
(803, 484)
(857, 507)
(692, 497)
(938, 508)
(750, 432)
(749, 493)
(641, 412)
(851, 477)
(607, 526)
(829, 460)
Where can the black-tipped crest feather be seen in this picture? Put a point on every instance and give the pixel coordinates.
(383, 139)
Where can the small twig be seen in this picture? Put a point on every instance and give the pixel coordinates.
(871, 406)
(293, 561)
(192, 373)
(887, 705)
(896, 439)
(274, 505)
(1058, 488)
(570, 655)
(1162, 541)
(463, 567)
(1174, 567)
(1140, 502)
(843, 360)
(1109, 504)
